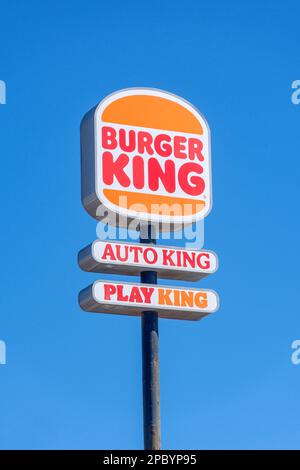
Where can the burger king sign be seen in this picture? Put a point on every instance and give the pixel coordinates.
(146, 155)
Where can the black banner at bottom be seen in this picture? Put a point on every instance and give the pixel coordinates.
(131, 459)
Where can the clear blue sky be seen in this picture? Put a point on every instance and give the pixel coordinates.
(72, 379)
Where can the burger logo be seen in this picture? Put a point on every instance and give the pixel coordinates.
(150, 158)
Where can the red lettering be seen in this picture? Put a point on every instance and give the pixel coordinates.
(136, 250)
(115, 169)
(166, 176)
(179, 146)
(138, 172)
(121, 296)
(144, 143)
(108, 252)
(167, 257)
(188, 259)
(127, 146)
(135, 296)
(109, 140)
(118, 252)
(203, 264)
(147, 292)
(191, 184)
(109, 290)
(162, 148)
(195, 149)
(148, 258)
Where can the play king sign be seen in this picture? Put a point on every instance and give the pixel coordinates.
(131, 299)
(146, 154)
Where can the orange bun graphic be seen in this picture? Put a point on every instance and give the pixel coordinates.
(151, 111)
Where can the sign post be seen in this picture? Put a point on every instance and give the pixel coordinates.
(145, 158)
(150, 358)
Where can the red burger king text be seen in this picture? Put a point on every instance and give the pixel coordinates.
(152, 160)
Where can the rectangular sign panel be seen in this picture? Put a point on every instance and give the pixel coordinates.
(132, 259)
(132, 299)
